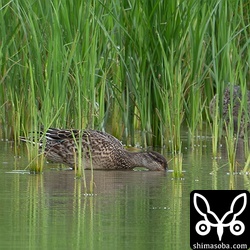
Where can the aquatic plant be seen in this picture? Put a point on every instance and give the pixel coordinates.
(177, 166)
(246, 168)
(233, 111)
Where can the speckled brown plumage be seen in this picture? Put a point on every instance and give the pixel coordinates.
(99, 149)
(233, 98)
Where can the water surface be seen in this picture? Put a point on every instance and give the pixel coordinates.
(128, 209)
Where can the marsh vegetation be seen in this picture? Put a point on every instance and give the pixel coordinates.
(123, 66)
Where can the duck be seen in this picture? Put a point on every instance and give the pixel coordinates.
(99, 150)
(232, 96)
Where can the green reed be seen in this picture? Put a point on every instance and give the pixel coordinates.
(245, 118)
(236, 125)
(246, 168)
(177, 165)
(231, 144)
(121, 65)
(79, 156)
(215, 129)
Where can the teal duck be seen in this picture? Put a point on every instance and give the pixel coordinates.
(98, 149)
(233, 97)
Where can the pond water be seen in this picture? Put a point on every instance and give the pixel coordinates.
(128, 209)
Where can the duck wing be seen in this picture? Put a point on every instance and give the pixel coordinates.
(88, 136)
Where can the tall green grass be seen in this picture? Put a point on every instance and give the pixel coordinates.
(149, 66)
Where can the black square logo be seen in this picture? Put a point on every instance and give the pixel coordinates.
(219, 219)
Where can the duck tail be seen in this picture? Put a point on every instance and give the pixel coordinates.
(31, 140)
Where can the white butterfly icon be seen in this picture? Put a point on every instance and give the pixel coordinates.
(203, 227)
